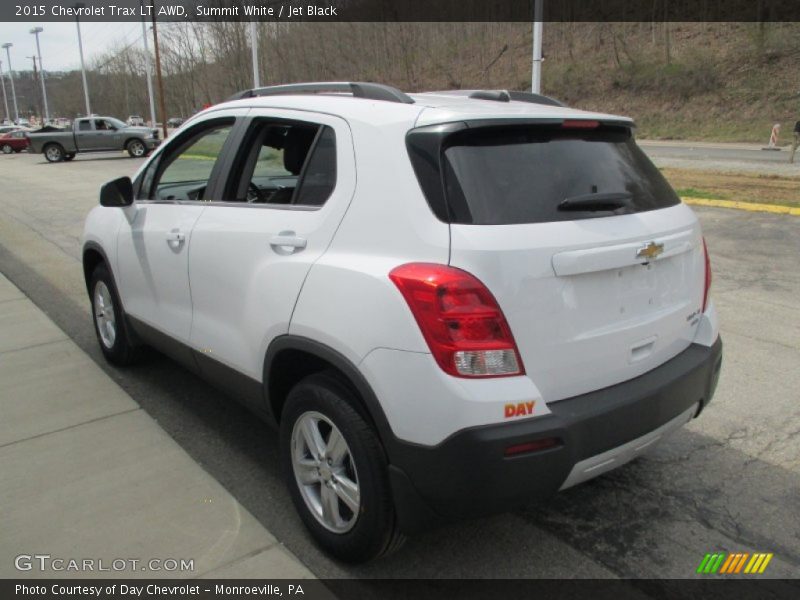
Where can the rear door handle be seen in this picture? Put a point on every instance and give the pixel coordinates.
(175, 238)
(287, 242)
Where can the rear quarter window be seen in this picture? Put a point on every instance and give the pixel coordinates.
(503, 176)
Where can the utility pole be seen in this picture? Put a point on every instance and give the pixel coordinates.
(161, 104)
(7, 46)
(35, 81)
(36, 31)
(254, 48)
(83, 66)
(536, 74)
(148, 68)
(5, 98)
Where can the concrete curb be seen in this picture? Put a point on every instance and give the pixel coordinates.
(748, 206)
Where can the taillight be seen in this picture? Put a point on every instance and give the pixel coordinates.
(460, 320)
(580, 124)
(707, 287)
(529, 447)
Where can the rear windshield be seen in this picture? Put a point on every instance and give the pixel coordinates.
(511, 176)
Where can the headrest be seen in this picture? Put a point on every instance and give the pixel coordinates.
(296, 145)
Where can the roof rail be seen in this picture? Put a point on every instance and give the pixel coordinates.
(508, 96)
(369, 91)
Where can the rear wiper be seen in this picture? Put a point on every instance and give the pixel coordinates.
(604, 201)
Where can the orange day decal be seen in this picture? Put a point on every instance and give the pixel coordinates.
(521, 409)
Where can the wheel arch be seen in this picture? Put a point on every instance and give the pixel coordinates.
(93, 255)
(57, 144)
(290, 358)
(134, 138)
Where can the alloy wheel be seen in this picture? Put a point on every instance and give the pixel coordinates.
(53, 154)
(325, 472)
(137, 149)
(104, 315)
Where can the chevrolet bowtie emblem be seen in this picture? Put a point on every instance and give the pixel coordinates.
(650, 250)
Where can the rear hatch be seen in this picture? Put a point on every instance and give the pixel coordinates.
(596, 264)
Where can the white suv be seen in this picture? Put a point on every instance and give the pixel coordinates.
(450, 303)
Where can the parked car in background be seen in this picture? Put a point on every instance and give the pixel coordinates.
(7, 128)
(175, 122)
(135, 121)
(450, 303)
(23, 123)
(13, 141)
(94, 134)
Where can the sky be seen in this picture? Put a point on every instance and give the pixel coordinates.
(59, 42)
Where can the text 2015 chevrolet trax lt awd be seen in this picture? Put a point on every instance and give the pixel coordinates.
(450, 303)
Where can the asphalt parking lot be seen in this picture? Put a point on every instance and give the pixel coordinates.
(728, 481)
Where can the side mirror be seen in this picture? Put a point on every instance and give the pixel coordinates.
(116, 193)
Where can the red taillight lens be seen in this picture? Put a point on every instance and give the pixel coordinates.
(460, 320)
(580, 124)
(529, 447)
(707, 287)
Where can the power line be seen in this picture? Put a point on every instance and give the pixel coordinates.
(97, 47)
(106, 34)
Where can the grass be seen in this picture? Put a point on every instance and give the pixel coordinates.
(695, 193)
(744, 187)
(687, 126)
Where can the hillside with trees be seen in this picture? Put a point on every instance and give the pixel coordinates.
(711, 81)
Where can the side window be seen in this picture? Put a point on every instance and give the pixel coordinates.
(84, 125)
(279, 159)
(183, 174)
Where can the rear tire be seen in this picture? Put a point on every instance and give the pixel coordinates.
(136, 149)
(7, 149)
(110, 324)
(54, 153)
(344, 499)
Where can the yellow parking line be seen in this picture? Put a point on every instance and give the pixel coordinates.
(751, 206)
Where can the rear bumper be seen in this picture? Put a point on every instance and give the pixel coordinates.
(467, 475)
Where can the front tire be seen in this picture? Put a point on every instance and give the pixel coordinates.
(54, 153)
(136, 149)
(336, 471)
(7, 149)
(109, 320)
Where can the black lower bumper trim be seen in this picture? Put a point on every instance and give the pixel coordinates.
(468, 475)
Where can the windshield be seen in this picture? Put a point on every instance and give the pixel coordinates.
(522, 175)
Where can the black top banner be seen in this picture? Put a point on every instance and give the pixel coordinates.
(401, 10)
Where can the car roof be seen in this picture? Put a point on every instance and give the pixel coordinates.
(428, 108)
(446, 106)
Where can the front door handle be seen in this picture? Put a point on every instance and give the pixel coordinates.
(175, 239)
(287, 242)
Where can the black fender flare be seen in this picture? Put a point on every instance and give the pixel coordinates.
(94, 246)
(369, 400)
